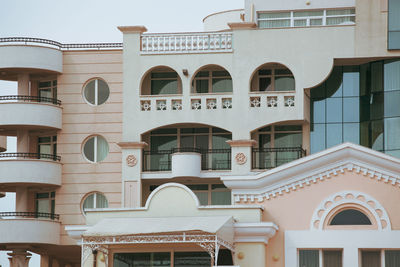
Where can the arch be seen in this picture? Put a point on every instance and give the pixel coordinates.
(211, 78)
(349, 216)
(182, 125)
(340, 201)
(85, 197)
(160, 80)
(272, 76)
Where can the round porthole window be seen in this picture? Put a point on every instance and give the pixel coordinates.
(96, 92)
(95, 149)
(94, 201)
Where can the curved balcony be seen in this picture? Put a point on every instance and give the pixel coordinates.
(31, 169)
(29, 227)
(186, 162)
(31, 111)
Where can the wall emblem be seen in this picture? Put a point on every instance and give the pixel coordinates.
(240, 158)
(131, 160)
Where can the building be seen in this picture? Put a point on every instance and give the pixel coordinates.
(271, 139)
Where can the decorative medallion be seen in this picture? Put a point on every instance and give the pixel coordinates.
(131, 160)
(240, 158)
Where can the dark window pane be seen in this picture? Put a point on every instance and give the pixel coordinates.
(203, 74)
(201, 86)
(88, 149)
(281, 128)
(351, 109)
(376, 105)
(334, 83)
(318, 92)
(288, 139)
(161, 75)
(103, 92)
(334, 110)
(351, 133)
(264, 140)
(284, 84)
(332, 258)
(192, 259)
(222, 73)
(163, 142)
(221, 85)
(225, 257)
(264, 72)
(265, 84)
(283, 72)
(394, 40)
(157, 259)
(365, 134)
(318, 111)
(317, 137)
(309, 258)
(377, 135)
(371, 258)
(159, 87)
(377, 76)
(350, 217)
(198, 187)
(333, 134)
(392, 258)
(164, 131)
(351, 83)
(221, 198)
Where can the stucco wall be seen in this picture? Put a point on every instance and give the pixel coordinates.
(80, 120)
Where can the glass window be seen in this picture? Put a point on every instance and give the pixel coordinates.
(48, 91)
(392, 258)
(47, 145)
(96, 92)
(351, 133)
(192, 259)
(164, 83)
(332, 258)
(392, 133)
(317, 138)
(95, 201)
(149, 259)
(351, 82)
(334, 134)
(212, 81)
(273, 78)
(351, 109)
(350, 217)
(370, 258)
(308, 258)
(394, 24)
(334, 110)
(95, 149)
(45, 203)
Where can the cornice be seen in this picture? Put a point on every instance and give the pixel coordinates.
(139, 145)
(242, 143)
(132, 29)
(242, 25)
(259, 232)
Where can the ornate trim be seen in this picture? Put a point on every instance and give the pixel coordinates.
(240, 158)
(279, 189)
(241, 143)
(131, 160)
(350, 197)
(139, 145)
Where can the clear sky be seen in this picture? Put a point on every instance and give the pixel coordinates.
(91, 21)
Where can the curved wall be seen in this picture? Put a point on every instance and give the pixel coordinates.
(219, 21)
(31, 57)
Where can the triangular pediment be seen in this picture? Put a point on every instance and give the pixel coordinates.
(313, 168)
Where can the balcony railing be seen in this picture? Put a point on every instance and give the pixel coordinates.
(29, 215)
(26, 98)
(184, 43)
(29, 156)
(211, 159)
(268, 158)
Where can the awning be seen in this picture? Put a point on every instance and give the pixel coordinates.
(208, 232)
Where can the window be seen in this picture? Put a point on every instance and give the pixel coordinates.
(306, 18)
(209, 80)
(96, 92)
(95, 149)
(47, 145)
(47, 91)
(380, 258)
(208, 194)
(45, 204)
(273, 77)
(394, 25)
(95, 201)
(161, 81)
(350, 217)
(320, 258)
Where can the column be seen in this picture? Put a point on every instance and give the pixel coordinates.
(241, 156)
(19, 258)
(131, 173)
(21, 199)
(22, 141)
(23, 84)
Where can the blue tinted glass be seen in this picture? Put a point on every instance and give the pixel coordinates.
(392, 75)
(334, 110)
(392, 133)
(392, 104)
(394, 40)
(317, 137)
(333, 134)
(334, 83)
(351, 84)
(318, 111)
(351, 133)
(394, 18)
(351, 109)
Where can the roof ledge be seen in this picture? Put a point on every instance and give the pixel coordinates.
(254, 232)
(132, 29)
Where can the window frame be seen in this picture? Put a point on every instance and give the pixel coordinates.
(51, 198)
(95, 160)
(320, 254)
(151, 79)
(52, 88)
(210, 78)
(94, 193)
(256, 79)
(96, 92)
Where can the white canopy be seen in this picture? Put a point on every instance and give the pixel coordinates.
(221, 226)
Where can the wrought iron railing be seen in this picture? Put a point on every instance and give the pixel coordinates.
(268, 158)
(30, 156)
(211, 159)
(30, 215)
(51, 43)
(27, 98)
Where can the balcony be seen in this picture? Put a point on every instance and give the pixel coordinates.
(268, 158)
(33, 111)
(30, 169)
(186, 43)
(211, 159)
(29, 227)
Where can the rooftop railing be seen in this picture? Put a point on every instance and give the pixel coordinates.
(211, 159)
(26, 98)
(19, 155)
(268, 158)
(29, 215)
(58, 45)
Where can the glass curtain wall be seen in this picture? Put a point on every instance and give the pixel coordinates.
(358, 104)
(394, 24)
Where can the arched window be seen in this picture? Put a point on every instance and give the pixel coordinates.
(350, 217)
(94, 201)
(161, 81)
(212, 79)
(272, 77)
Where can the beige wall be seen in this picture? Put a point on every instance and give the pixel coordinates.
(298, 207)
(80, 120)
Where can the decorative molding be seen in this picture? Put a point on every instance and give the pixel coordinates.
(132, 29)
(279, 189)
(137, 145)
(131, 160)
(350, 197)
(240, 158)
(259, 232)
(242, 143)
(242, 25)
